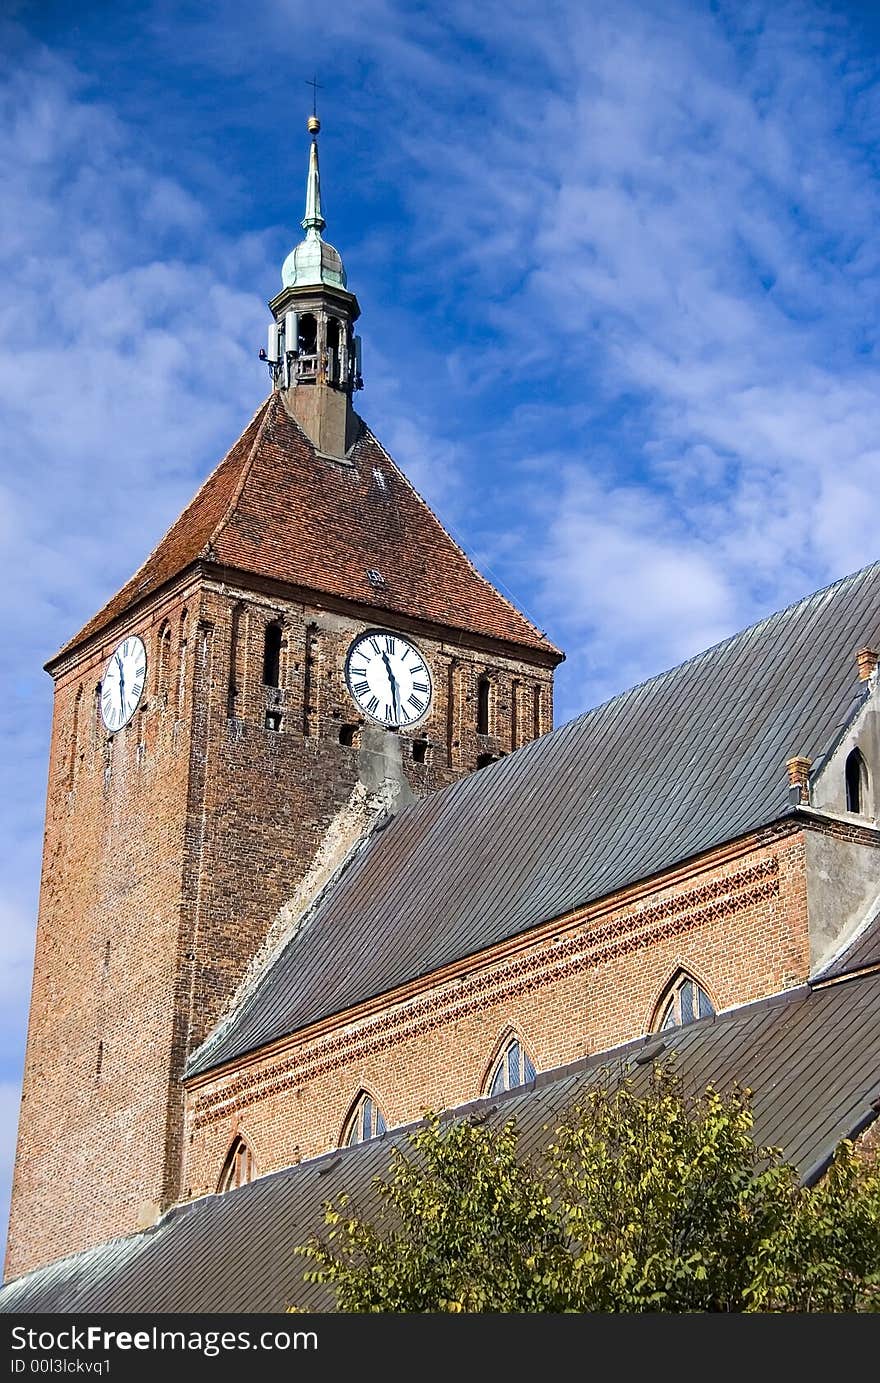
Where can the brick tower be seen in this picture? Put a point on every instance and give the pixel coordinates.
(305, 648)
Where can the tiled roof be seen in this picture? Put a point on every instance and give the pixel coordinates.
(812, 1060)
(670, 769)
(275, 508)
(187, 537)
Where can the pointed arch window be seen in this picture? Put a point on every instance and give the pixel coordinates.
(307, 346)
(334, 337)
(163, 663)
(537, 713)
(74, 738)
(239, 1167)
(272, 655)
(365, 1121)
(684, 1002)
(856, 772)
(484, 692)
(514, 1067)
(181, 663)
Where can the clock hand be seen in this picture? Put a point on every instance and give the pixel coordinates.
(121, 679)
(395, 696)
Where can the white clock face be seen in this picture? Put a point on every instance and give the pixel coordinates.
(388, 678)
(122, 685)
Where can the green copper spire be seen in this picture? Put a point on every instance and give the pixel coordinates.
(313, 216)
(313, 261)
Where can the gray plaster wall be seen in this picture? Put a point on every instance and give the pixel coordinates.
(843, 883)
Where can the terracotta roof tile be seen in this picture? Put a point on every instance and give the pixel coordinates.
(275, 508)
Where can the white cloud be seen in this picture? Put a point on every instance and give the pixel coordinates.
(694, 227)
(127, 362)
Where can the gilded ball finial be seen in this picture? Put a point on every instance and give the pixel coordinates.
(314, 124)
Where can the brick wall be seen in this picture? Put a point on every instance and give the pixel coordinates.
(101, 1028)
(170, 848)
(738, 925)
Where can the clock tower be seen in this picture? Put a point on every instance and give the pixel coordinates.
(305, 650)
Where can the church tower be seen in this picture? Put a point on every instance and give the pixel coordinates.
(312, 349)
(304, 650)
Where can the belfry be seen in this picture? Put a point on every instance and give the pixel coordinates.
(312, 351)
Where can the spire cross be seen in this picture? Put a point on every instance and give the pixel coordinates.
(316, 87)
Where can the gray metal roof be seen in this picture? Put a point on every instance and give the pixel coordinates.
(861, 953)
(812, 1059)
(679, 764)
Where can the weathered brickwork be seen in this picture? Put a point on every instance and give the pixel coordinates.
(170, 848)
(271, 793)
(739, 926)
(101, 1025)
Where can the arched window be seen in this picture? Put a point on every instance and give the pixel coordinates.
(239, 1167)
(514, 1067)
(96, 717)
(484, 690)
(537, 712)
(308, 334)
(163, 664)
(74, 738)
(365, 1121)
(307, 343)
(856, 771)
(181, 663)
(684, 1002)
(272, 655)
(333, 339)
(235, 639)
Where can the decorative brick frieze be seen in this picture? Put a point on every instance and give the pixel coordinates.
(632, 929)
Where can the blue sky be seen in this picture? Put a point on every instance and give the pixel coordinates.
(619, 269)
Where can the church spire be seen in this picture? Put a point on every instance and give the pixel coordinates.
(313, 261)
(314, 218)
(313, 354)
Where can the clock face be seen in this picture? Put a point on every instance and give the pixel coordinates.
(123, 682)
(388, 678)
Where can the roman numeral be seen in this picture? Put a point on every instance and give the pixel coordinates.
(389, 644)
(361, 688)
(389, 715)
(372, 704)
(359, 672)
(125, 648)
(419, 705)
(420, 686)
(374, 644)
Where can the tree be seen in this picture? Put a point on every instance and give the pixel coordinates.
(660, 1202)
